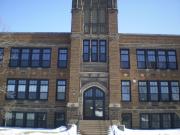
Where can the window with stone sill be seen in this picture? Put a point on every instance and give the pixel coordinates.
(94, 50)
(61, 90)
(30, 57)
(156, 59)
(25, 119)
(27, 89)
(159, 121)
(126, 90)
(63, 58)
(159, 91)
(124, 59)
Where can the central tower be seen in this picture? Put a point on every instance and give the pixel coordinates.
(94, 29)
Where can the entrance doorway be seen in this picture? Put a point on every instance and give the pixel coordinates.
(94, 104)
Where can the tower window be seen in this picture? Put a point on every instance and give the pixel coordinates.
(94, 50)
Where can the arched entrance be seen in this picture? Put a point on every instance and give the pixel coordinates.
(94, 104)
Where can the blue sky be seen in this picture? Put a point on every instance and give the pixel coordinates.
(135, 16)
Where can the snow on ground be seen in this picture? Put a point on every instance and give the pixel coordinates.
(115, 131)
(26, 131)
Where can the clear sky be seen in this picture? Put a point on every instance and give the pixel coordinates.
(135, 16)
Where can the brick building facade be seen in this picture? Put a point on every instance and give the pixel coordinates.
(92, 73)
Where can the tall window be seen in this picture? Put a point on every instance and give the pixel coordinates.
(143, 90)
(171, 58)
(63, 58)
(166, 121)
(41, 120)
(126, 91)
(61, 90)
(27, 89)
(161, 59)
(86, 50)
(127, 120)
(151, 59)
(59, 119)
(175, 90)
(102, 50)
(32, 89)
(164, 89)
(30, 57)
(155, 121)
(21, 89)
(1, 55)
(30, 120)
(124, 58)
(153, 89)
(144, 121)
(141, 59)
(94, 50)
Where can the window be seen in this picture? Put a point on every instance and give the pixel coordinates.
(153, 89)
(159, 91)
(126, 90)
(143, 91)
(156, 59)
(43, 90)
(8, 119)
(21, 89)
(171, 58)
(61, 90)
(32, 89)
(124, 58)
(151, 59)
(94, 51)
(25, 57)
(41, 120)
(144, 121)
(175, 90)
(161, 59)
(155, 121)
(127, 120)
(59, 119)
(166, 121)
(30, 120)
(63, 58)
(30, 57)
(19, 119)
(1, 55)
(25, 119)
(164, 89)
(86, 50)
(141, 59)
(27, 89)
(11, 89)
(158, 120)
(102, 51)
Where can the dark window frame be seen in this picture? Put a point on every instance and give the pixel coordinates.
(55, 120)
(127, 62)
(130, 116)
(147, 93)
(64, 92)
(19, 60)
(66, 61)
(1, 57)
(126, 93)
(168, 62)
(27, 89)
(25, 119)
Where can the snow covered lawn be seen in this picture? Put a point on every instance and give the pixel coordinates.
(115, 130)
(26, 131)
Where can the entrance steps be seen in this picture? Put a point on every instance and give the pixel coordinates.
(94, 127)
